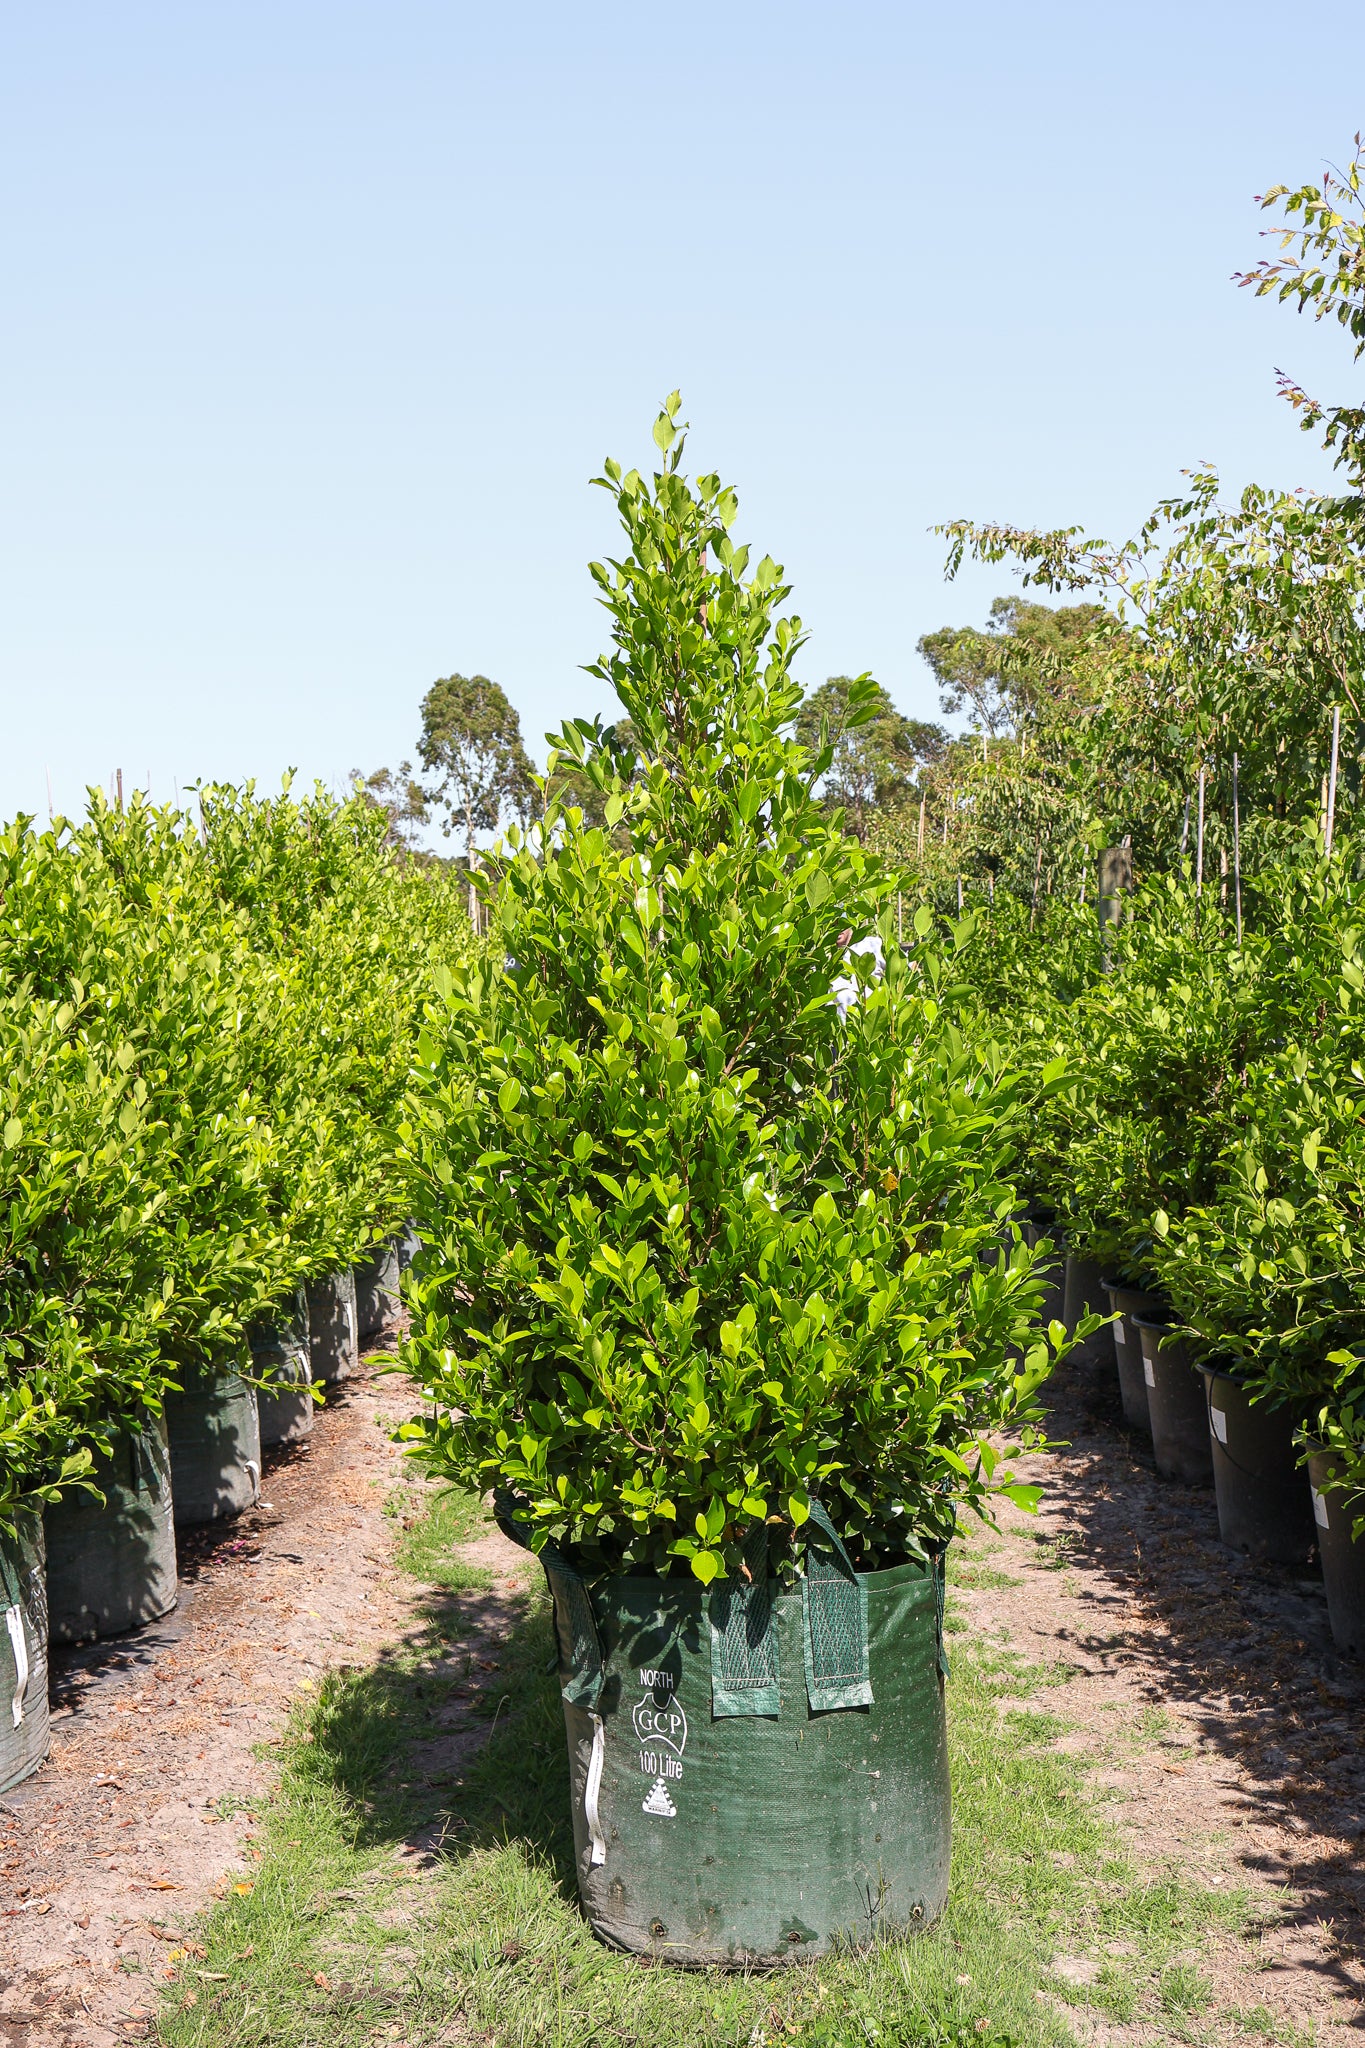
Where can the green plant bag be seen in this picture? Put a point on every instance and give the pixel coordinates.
(333, 1340)
(713, 1837)
(215, 1443)
(111, 1565)
(24, 1728)
(376, 1289)
(280, 1349)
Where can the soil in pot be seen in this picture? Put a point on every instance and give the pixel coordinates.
(376, 1290)
(1176, 1405)
(1086, 1295)
(281, 1350)
(1128, 1303)
(24, 1730)
(215, 1443)
(333, 1339)
(1335, 1513)
(710, 1833)
(111, 1567)
(1264, 1505)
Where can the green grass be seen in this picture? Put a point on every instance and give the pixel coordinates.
(343, 1941)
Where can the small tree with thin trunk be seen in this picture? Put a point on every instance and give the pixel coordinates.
(471, 737)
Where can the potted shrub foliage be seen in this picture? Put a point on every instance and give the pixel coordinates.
(704, 1294)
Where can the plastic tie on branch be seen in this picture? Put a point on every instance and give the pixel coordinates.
(834, 1610)
(744, 1676)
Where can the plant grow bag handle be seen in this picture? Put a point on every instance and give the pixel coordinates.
(14, 1624)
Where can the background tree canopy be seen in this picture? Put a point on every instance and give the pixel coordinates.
(471, 738)
(878, 755)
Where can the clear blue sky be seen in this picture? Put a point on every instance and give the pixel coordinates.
(318, 318)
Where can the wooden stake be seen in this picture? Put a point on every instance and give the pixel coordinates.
(1332, 777)
(921, 828)
(1236, 849)
(119, 773)
(900, 918)
(1185, 829)
(959, 895)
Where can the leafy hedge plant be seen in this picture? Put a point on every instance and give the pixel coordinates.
(206, 1026)
(696, 1251)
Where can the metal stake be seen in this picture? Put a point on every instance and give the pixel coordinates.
(1237, 849)
(1332, 777)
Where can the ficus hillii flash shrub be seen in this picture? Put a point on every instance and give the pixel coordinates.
(698, 1250)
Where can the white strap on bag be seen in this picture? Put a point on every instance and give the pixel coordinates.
(591, 1790)
(14, 1622)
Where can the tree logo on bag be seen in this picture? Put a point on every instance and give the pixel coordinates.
(658, 1801)
(660, 1727)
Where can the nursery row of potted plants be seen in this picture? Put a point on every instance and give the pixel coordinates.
(100, 1559)
(206, 1028)
(1282, 1495)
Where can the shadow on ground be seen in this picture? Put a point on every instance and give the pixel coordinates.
(454, 1739)
(1245, 1647)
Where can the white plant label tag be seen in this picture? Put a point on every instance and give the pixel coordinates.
(1320, 1509)
(1149, 1372)
(1219, 1421)
(1119, 1337)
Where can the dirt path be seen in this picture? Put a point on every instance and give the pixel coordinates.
(143, 1812)
(1204, 1692)
(1208, 1696)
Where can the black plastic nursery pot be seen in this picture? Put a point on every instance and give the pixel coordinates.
(1086, 1295)
(758, 1776)
(111, 1567)
(1335, 1513)
(333, 1338)
(1176, 1405)
(24, 1728)
(280, 1350)
(376, 1290)
(1128, 1303)
(1264, 1505)
(215, 1442)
